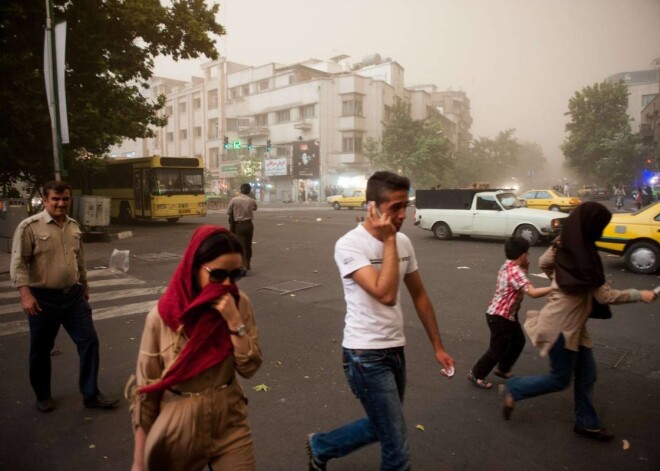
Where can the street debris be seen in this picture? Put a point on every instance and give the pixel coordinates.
(420, 427)
(626, 444)
(261, 387)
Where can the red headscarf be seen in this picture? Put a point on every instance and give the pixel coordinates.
(208, 334)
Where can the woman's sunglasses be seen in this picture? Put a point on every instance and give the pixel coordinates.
(219, 275)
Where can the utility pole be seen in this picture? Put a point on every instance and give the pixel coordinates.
(54, 105)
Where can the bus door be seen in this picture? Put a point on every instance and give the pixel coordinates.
(141, 192)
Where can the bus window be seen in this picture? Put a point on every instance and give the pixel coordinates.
(168, 181)
(193, 181)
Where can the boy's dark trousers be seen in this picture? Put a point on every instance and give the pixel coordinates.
(507, 341)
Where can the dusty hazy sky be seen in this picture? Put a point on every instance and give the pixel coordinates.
(519, 61)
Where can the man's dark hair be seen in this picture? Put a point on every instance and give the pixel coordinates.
(57, 186)
(515, 247)
(380, 184)
(246, 188)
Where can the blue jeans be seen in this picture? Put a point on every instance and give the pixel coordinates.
(563, 364)
(73, 312)
(378, 380)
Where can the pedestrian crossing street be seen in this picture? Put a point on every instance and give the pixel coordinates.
(111, 294)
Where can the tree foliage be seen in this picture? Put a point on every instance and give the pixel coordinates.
(492, 160)
(110, 52)
(600, 143)
(417, 149)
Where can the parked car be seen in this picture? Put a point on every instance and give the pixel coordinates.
(349, 199)
(549, 199)
(636, 237)
(594, 192)
(468, 212)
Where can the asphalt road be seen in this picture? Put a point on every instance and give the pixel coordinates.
(300, 334)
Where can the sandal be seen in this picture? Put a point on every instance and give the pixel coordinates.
(480, 383)
(503, 375)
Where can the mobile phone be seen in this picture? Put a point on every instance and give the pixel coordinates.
(373, 203)
(656, 290)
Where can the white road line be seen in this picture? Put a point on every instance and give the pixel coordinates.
(92, 284)
(90, 274)
(18, 327)
(98, 297)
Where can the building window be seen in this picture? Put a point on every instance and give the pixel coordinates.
(212, 101)
(182, 107)
(283, 116)
(197, 103)
(168, 110)
(351, 107)
(243, 122)
(183, 134)
(646, 99)
(351, 144)
(292, 79)
(232, 124)
(170, 136)
(246, 90)
(214, 157)
(281, 151)
(307, 112)
(261, 119)
(264, 85)
(198, 131)
(213, 128)
(387, 113)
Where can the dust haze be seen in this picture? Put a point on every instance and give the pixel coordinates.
(519, 61)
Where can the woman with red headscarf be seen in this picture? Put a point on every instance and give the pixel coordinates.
(188, 410)
(559, 330)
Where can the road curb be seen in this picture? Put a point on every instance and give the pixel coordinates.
(118, 236)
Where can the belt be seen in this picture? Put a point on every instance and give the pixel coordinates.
(57, 291)
(244, 220)
(197, 394)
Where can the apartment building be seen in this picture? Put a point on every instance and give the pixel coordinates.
(299, 127)
(643, 88)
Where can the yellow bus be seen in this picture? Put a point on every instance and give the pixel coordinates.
(152, 188)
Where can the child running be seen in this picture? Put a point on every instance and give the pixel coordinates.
(507, 339)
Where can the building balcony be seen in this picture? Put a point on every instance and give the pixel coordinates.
(253, 131)
(352, 123)
(304, 125)
(646, 131)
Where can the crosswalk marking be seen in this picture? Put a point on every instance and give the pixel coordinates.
(121, 289)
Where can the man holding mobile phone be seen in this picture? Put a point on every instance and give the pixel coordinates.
(374, 259)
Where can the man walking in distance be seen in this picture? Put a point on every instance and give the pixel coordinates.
(241, 212)
(373, 260)
(48, 269)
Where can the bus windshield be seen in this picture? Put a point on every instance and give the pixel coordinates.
(167, 181)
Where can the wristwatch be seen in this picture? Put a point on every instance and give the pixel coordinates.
(240, 331)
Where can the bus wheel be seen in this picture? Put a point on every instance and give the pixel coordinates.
(172, 220)
(125, 213)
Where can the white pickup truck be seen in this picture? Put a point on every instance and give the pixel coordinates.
(483, 213)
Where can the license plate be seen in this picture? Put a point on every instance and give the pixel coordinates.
(184, 211)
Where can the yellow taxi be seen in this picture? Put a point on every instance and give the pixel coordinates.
(349, 199)
(549, 199)
(636, 236)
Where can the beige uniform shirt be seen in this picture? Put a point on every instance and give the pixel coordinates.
(45, 255)
(242, 207)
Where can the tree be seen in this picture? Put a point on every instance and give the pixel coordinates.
(600, 143)
(417, 149)
(531, 162)
(111, 46)
(489, 160)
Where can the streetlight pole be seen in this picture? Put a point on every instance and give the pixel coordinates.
(54, 107)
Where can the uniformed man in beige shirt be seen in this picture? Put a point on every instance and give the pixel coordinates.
(48, 269)
(240, 210)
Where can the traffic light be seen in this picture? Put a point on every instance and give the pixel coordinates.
(226, 142)
(249, 143)
(268, 146)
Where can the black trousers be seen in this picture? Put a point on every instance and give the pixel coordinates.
(71, 311)
(507, 341)
(244, 230)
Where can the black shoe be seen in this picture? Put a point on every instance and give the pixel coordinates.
(99, 402)
(601, 435)
(313, 464)
(47, 405)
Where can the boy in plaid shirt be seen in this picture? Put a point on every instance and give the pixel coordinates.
(506, 335)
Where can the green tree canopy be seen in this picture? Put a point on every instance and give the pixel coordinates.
(110, 51)
(415, 148)
(600, 144)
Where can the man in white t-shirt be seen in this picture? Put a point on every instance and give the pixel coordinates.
(374, 259)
